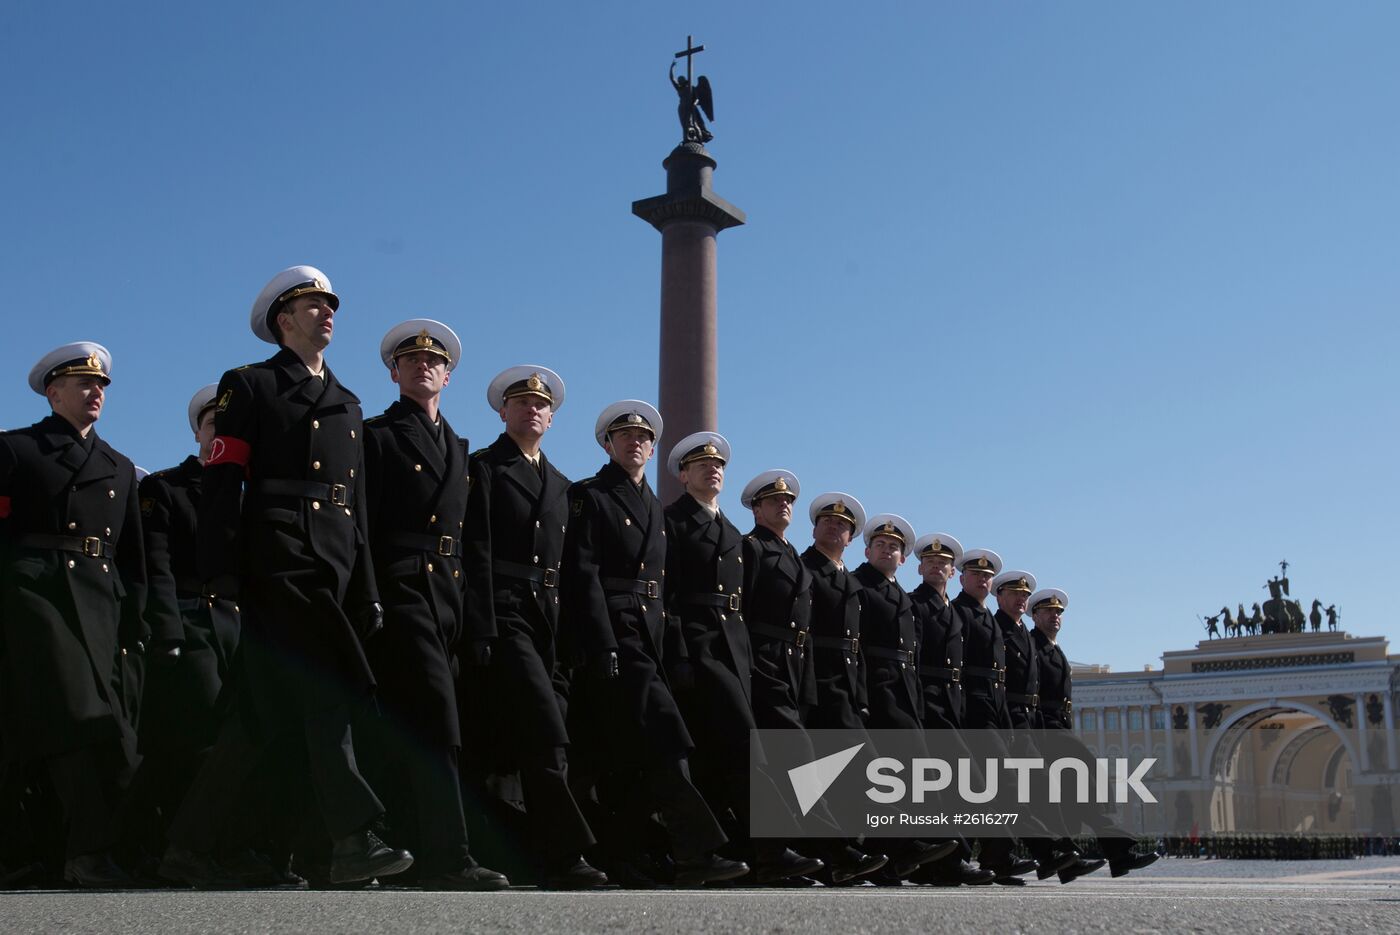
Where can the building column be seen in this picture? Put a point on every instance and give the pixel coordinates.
(1195, 742)
(1123, 724)
(1361, 732)
(1103, 747)
(1389, 733)
(1171, 740)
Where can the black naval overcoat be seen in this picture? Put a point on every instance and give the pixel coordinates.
(1022, 673)
(613, 582)
(704, 594)
(889, 642)
(296, 538)
(516, 517)
(72, 588)
(940, 659)
(836, 661)
(778, 611)
(185, 697)
(984, 649)
(417, 508)
(1056, 684)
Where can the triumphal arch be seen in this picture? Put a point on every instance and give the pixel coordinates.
(1271, 733)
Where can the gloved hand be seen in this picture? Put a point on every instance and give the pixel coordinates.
(479, 653)
(368, 620)
(605, 665)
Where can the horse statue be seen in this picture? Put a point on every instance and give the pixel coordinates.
(1315, 616)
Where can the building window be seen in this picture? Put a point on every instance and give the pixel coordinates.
(1134, 719)
(1159, 718)
(1110, 720)
(1091, 720)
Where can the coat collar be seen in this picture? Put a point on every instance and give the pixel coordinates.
(818, 562)
(925, 593)
(302, 386)
(409, 424)
(968, 601)
(636, 500)
(714, 528)
(97, 461)
(1043, 644)
(1013, 628)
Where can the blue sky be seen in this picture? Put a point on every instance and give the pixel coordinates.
(1109, 288)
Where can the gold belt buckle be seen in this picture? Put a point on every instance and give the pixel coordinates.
(339, 495)
(551, 578)
(801, 638)
(446, 545)
(92, 547)
(957, 676)
(653, 589)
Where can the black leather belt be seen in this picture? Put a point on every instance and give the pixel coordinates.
(905, 656)
(1051, 706)
(650, 589)
(792, 635)
(996, 675)
(546, 577)
(422, 542)
(844, 644)
(729, 602)
(338, 494)
(953, 675)
(91, 546)
(1030, 701)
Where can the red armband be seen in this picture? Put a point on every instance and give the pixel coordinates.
(229, 450)
(4, 507)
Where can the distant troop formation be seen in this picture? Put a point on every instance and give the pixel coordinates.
(326, 646)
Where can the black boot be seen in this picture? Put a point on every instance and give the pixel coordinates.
(1080, 867)
(574, 873)
(96, 872)
(1122, 866)
(362, 856)
(708, 868)
(784, 865)
(197, 870)
(473, 878)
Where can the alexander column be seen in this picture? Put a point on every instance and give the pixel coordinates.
(688, 216)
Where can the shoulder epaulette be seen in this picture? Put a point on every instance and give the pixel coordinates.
(375, 420)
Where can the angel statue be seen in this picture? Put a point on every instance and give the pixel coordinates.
(693, 101)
